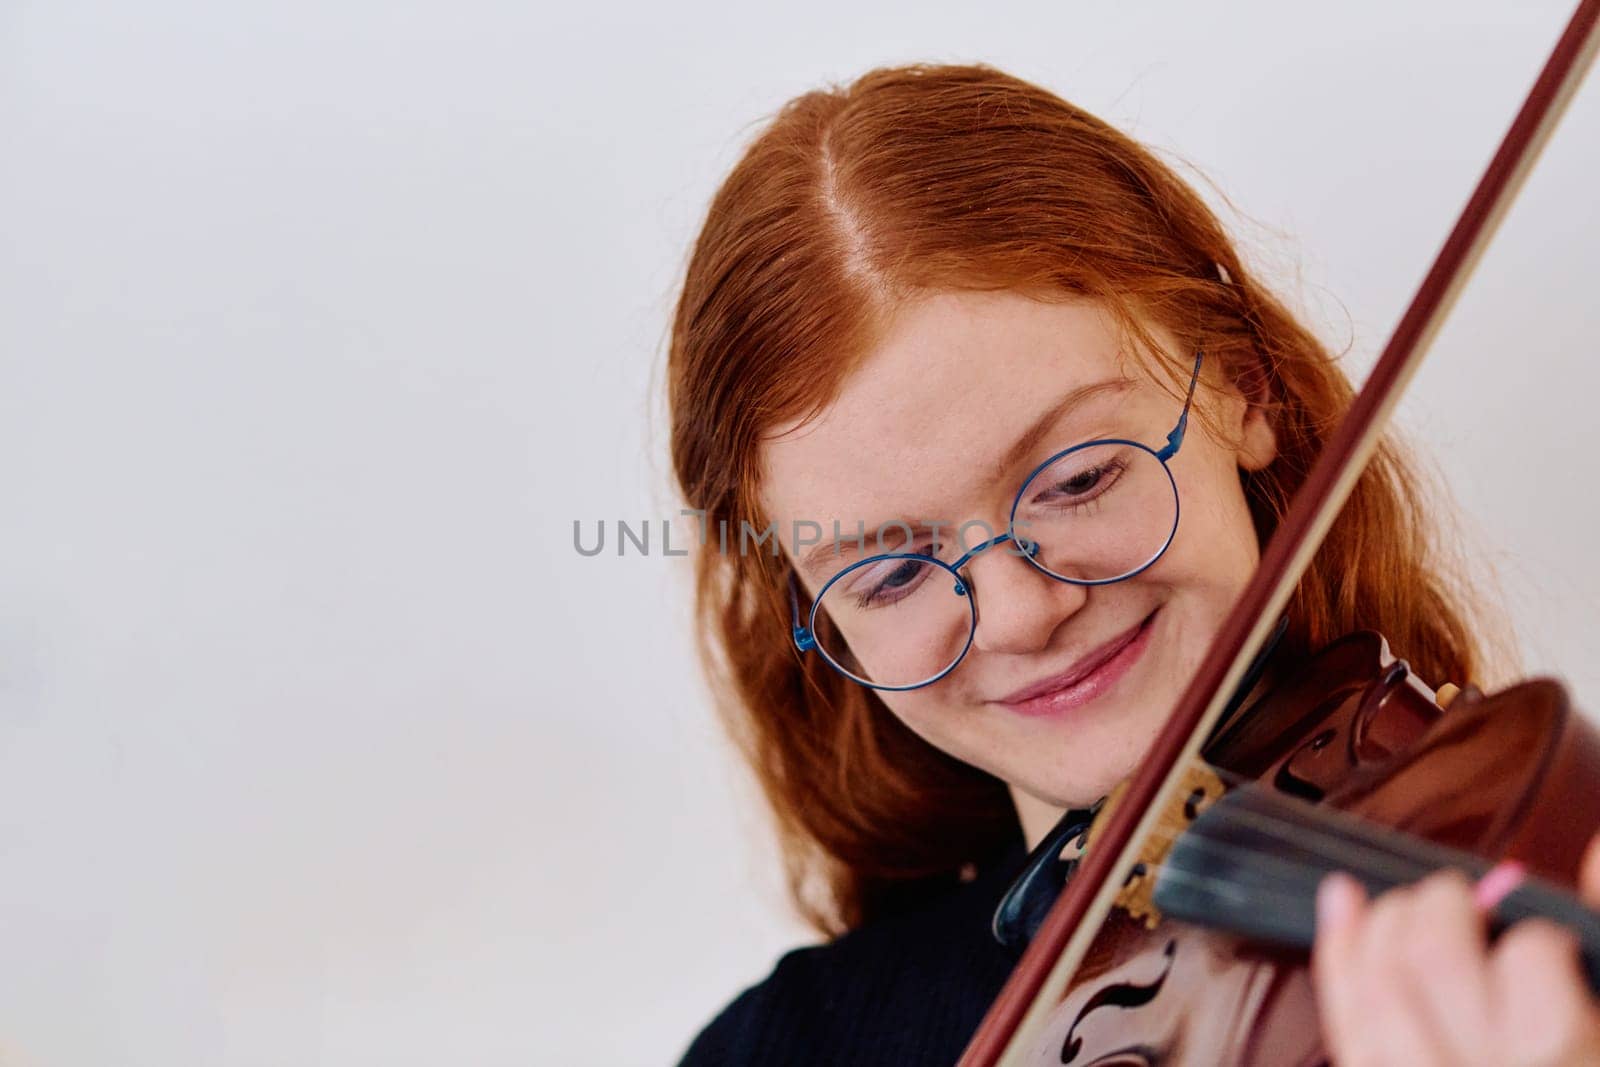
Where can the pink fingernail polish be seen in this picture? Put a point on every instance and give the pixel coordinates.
(1497, 882)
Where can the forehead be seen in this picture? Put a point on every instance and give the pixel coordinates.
(954, 379)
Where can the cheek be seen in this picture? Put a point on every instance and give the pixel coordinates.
(1223, 534)
(1235, 546)
(1216, 534)
(921, 710)
(941, 717)
(1210, 561)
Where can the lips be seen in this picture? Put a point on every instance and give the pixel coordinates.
(1080, 670)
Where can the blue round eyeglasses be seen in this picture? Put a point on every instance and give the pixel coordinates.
(1099, 512)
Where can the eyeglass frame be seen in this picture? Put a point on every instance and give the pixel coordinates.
(805, 636)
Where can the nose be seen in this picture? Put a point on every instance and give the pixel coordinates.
(1018, 606)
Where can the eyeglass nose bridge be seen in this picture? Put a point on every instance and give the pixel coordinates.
(1027, 549)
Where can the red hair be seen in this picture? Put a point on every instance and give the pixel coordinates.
(921, 178)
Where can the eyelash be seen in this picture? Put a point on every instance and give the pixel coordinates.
(1111, 473)
(865, 600)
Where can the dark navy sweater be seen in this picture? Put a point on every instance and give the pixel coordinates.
(905, 989)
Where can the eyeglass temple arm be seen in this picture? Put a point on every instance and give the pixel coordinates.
(803, 640)
(1175, 438)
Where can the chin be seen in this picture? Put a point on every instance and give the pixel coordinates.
(1083, 793)
(1099, 755)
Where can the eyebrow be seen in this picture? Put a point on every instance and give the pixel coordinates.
(1025, 443)
(1036, 431)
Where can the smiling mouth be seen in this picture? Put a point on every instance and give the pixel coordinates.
(1086, 679)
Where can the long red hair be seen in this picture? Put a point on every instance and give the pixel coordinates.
(920, 178)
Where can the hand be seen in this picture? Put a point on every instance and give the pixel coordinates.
(1410, 979)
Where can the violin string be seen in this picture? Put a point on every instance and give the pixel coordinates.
(1352, 853)
(1298, 887)
(1342, 852)
(1303, 876)
(1279, 896)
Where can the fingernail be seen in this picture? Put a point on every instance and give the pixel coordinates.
(1338, 896)
(1497, 883)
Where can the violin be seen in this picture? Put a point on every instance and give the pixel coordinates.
(1353, 764)
(1178, 935)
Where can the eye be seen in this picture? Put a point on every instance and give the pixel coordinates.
(902, 575)
(1077, 485)
(1083, 482)
(892, 580)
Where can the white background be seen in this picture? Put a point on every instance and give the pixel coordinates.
(320, 324)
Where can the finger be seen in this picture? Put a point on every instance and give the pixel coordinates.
(1443, 951)
(1399, 1023)
(1341, 909)
(1543, 1010)
(1589, 874)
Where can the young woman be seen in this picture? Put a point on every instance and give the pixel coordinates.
(950, 359)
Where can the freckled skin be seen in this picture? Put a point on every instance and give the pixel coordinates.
(916, 432)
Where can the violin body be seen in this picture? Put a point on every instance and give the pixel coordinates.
(1515, 775)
